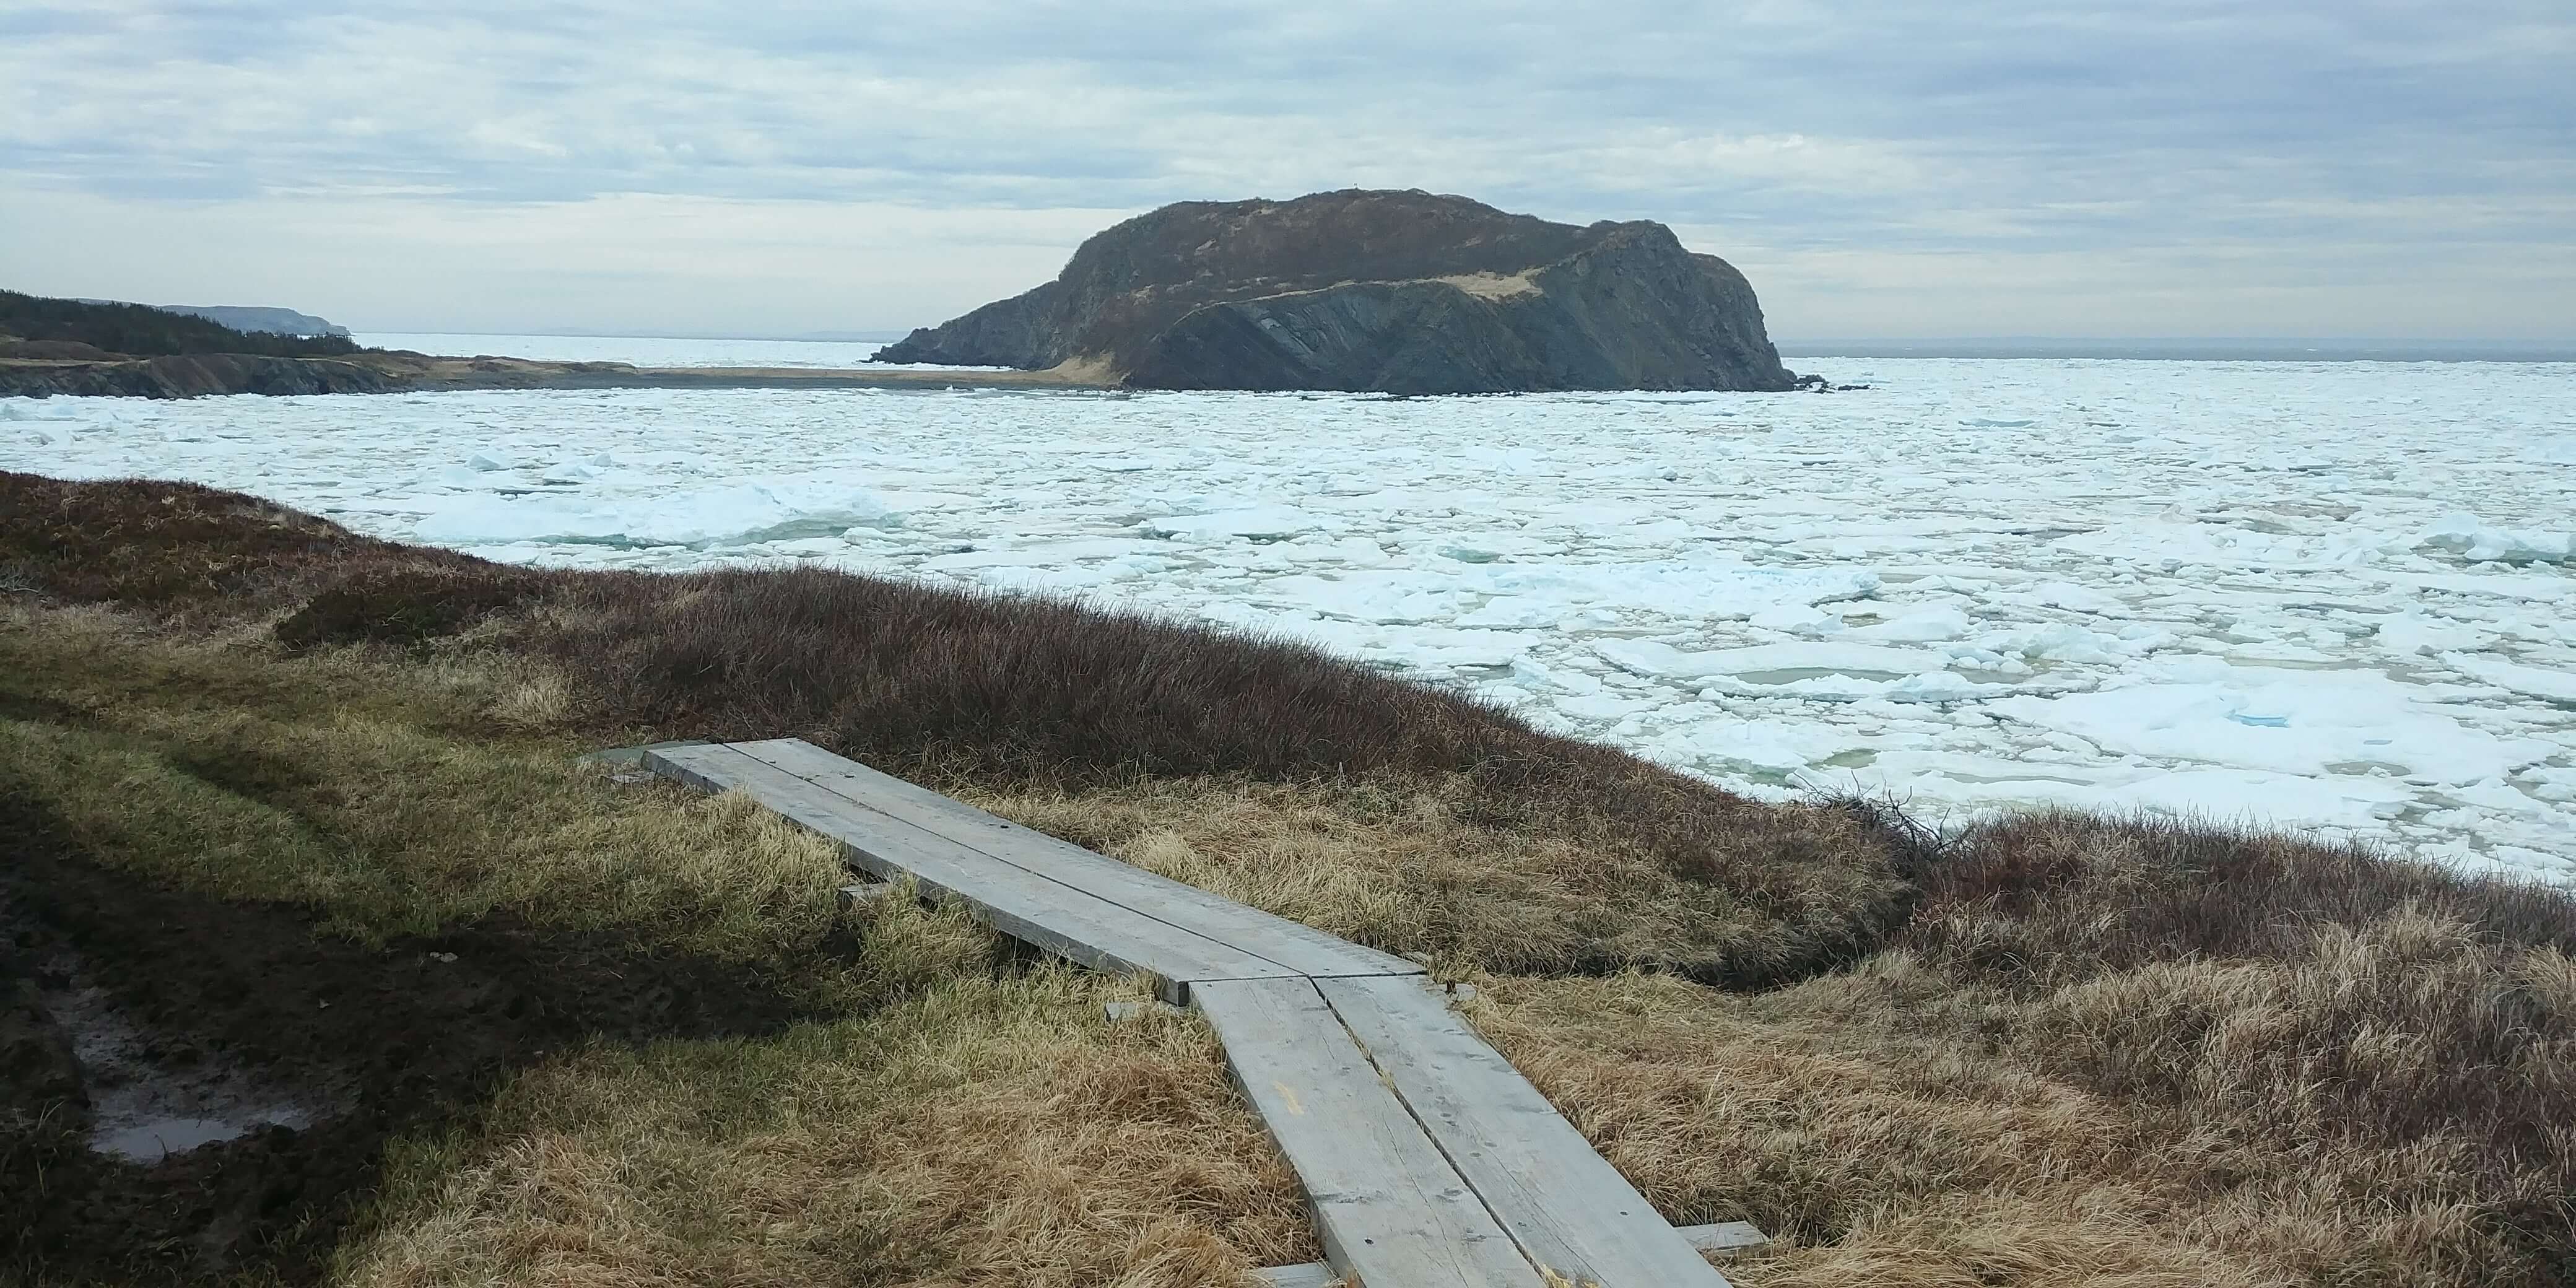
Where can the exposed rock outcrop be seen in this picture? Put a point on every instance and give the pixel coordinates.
(1399, 292)
(189, 375)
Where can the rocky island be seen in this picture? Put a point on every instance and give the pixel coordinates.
(1394, 292)
(1365, 291)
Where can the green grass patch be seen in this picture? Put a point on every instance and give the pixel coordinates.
(389, 798)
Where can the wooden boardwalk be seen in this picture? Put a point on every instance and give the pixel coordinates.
(1428, 1160)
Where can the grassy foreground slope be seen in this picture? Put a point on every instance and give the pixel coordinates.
(2053, 1050)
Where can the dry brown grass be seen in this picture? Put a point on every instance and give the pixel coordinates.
(2373, 1083)
(982, 1131)
(951, 1117)
(2056, 1050)
(966, 691)
(180, 549)
(1416, 864)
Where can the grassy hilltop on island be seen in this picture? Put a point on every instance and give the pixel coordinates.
(289, 818)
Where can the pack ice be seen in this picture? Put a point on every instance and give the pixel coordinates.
(2322, 596)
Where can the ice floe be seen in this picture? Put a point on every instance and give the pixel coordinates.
(731, 514)
(1258, 523)
(2477, 542)
(2313, 723)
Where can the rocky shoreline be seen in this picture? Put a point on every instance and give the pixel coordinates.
(190, 375)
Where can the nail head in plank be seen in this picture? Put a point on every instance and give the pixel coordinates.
(1567, 1208)
(1019, 903)
(1294, 944)
(1389, 1208)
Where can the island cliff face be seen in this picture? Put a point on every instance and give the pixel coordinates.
(1397, 292)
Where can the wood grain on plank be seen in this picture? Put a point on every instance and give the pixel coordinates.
(1567, 1208)
(1056, 917)
(1390, 1209)
(1278, 939)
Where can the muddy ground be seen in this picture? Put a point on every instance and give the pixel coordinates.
(195, 1090)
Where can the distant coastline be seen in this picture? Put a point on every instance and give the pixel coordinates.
(93, 348)
(2193, 350)
(380, 372)
(2291, 349)
(580, 333)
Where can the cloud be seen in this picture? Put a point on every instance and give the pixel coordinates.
(2337, 131)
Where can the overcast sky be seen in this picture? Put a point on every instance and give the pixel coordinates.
(1878, 167)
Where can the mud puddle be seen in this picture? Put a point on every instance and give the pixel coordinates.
(147, 1101)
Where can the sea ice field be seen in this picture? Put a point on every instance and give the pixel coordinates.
(2328, 596)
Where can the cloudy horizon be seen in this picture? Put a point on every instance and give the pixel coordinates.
(2305, 168)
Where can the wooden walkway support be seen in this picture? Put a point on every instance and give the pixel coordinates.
(1722, 1239)
(1428, 1160)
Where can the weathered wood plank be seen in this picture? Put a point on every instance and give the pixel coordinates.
(1567, 1208)
(1722, 1238)
(631, 755)
(1390, 1210)
(1056, 917)
(1308, 950)
(1313, 1274)
(1427, 1158)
